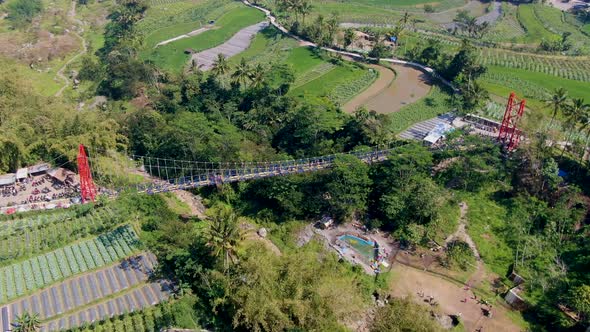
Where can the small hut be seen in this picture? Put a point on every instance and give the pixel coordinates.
(21, 174)
(326, 222)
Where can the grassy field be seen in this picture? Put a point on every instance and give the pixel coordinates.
(536, 32)
(315, 75)
(586, 29)
(164, 22)
(172, 57)
(303, 59)
(555, 21)
(339, 84)
(437, 102)
(508, 28)
(486, 221)
(531, 85)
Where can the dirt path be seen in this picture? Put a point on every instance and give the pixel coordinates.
(450, 298)
(186, 35)
(392, 91)
(60, 72)
(251, 234)
(461, 233)
(194, 203)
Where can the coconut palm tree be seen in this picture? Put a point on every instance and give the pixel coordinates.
(195, 67)
(573, 112)
(305, 9)
(220, 65)
(257, 76)
(27, 323)
(224, 234)
(558, 100)
(242, 72)
(349, 37)
(405, 19)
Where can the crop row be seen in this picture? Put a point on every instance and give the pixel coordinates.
(276, 51)
(20, 278)
(163, 2)
(161, 17)
(314, 73)
(554, 21)
(76, 293)
(49, 236)
(347, 90)
(530, 90)
(11, 226)
(574, 69)
(148, 320)
(436, 103)
(508, 27)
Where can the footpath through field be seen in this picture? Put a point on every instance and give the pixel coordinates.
(186, 35)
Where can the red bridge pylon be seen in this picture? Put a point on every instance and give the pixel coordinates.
(87, 187)
(509, 133)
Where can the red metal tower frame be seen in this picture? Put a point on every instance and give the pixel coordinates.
(509, 133)
(87, 187)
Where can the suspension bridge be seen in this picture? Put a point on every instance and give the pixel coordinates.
(201, 174)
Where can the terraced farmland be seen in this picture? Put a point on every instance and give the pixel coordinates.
(148, 320)
(135, 300)
(565, 67)
(27, 276)
(24, 238)
(78, 300)
(10, 226)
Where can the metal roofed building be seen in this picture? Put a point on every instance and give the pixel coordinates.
(22, 173)
(437, 133)
(39, 168)
(7, 179)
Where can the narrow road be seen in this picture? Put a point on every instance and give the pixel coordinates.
(60, 72)
(302, 42)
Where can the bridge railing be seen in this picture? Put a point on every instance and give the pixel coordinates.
(248, 171)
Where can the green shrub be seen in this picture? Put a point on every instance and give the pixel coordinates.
(22, 12)
(459, 255)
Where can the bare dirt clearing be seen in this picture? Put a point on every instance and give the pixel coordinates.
(450, 298)
(392, 91)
